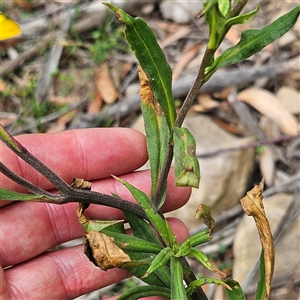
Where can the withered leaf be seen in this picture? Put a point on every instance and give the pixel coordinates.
(103, 252)
(81, 184)
(91, 225)
(204, 215)
(253, 206)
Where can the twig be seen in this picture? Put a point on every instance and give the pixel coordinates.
(247, 146)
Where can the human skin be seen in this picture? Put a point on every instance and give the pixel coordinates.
(28, 230)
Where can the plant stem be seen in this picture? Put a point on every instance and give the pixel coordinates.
(26, 184)
(163, 177)
(237, 8)
(192, 94)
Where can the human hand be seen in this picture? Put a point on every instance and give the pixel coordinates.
(28, 230)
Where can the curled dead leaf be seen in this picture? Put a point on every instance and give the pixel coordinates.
(103, 252)
(268, 104)
(204, 215)
(253, 206)
(81, 184)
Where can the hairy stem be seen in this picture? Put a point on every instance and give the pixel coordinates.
(25, 183)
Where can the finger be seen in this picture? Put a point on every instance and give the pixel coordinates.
(65, 273)
(88, 153)
(38, 227)
(62, 274)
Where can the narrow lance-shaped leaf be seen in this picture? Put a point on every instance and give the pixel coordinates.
(253, 40)
(206, 280)
(160, 260)
(245, 18)
(203, 259)
(236, 291)
(15, 196)
(261, 290)
(156, 129)
(152, 60)
(177, 287)
(187, 170)
(156, 220)
(142, 230)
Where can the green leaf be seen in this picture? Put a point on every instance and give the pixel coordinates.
(177, 287)
(242, 19)
(138, 292)
(261, 285)
(158, 136)
(206, 280)
(236, 292)
(152, 60)
(14, 196)
(187, 170)
(201, 257)
(141, 229)
(198, 238)
(253, 40)
(216, 22)
(156, 220)
(130, 243)
(97, 225)
(160, 260)
(224, 7)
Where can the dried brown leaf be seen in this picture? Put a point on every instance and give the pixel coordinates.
(253, 206)
(81, 184)
(61, 123)
(267, 104)
(267, 165)
(105, 85)
(103, 252)
(204, 215)
(95, 104)
(2, 86)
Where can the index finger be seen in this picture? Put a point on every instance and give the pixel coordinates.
(88, 153)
